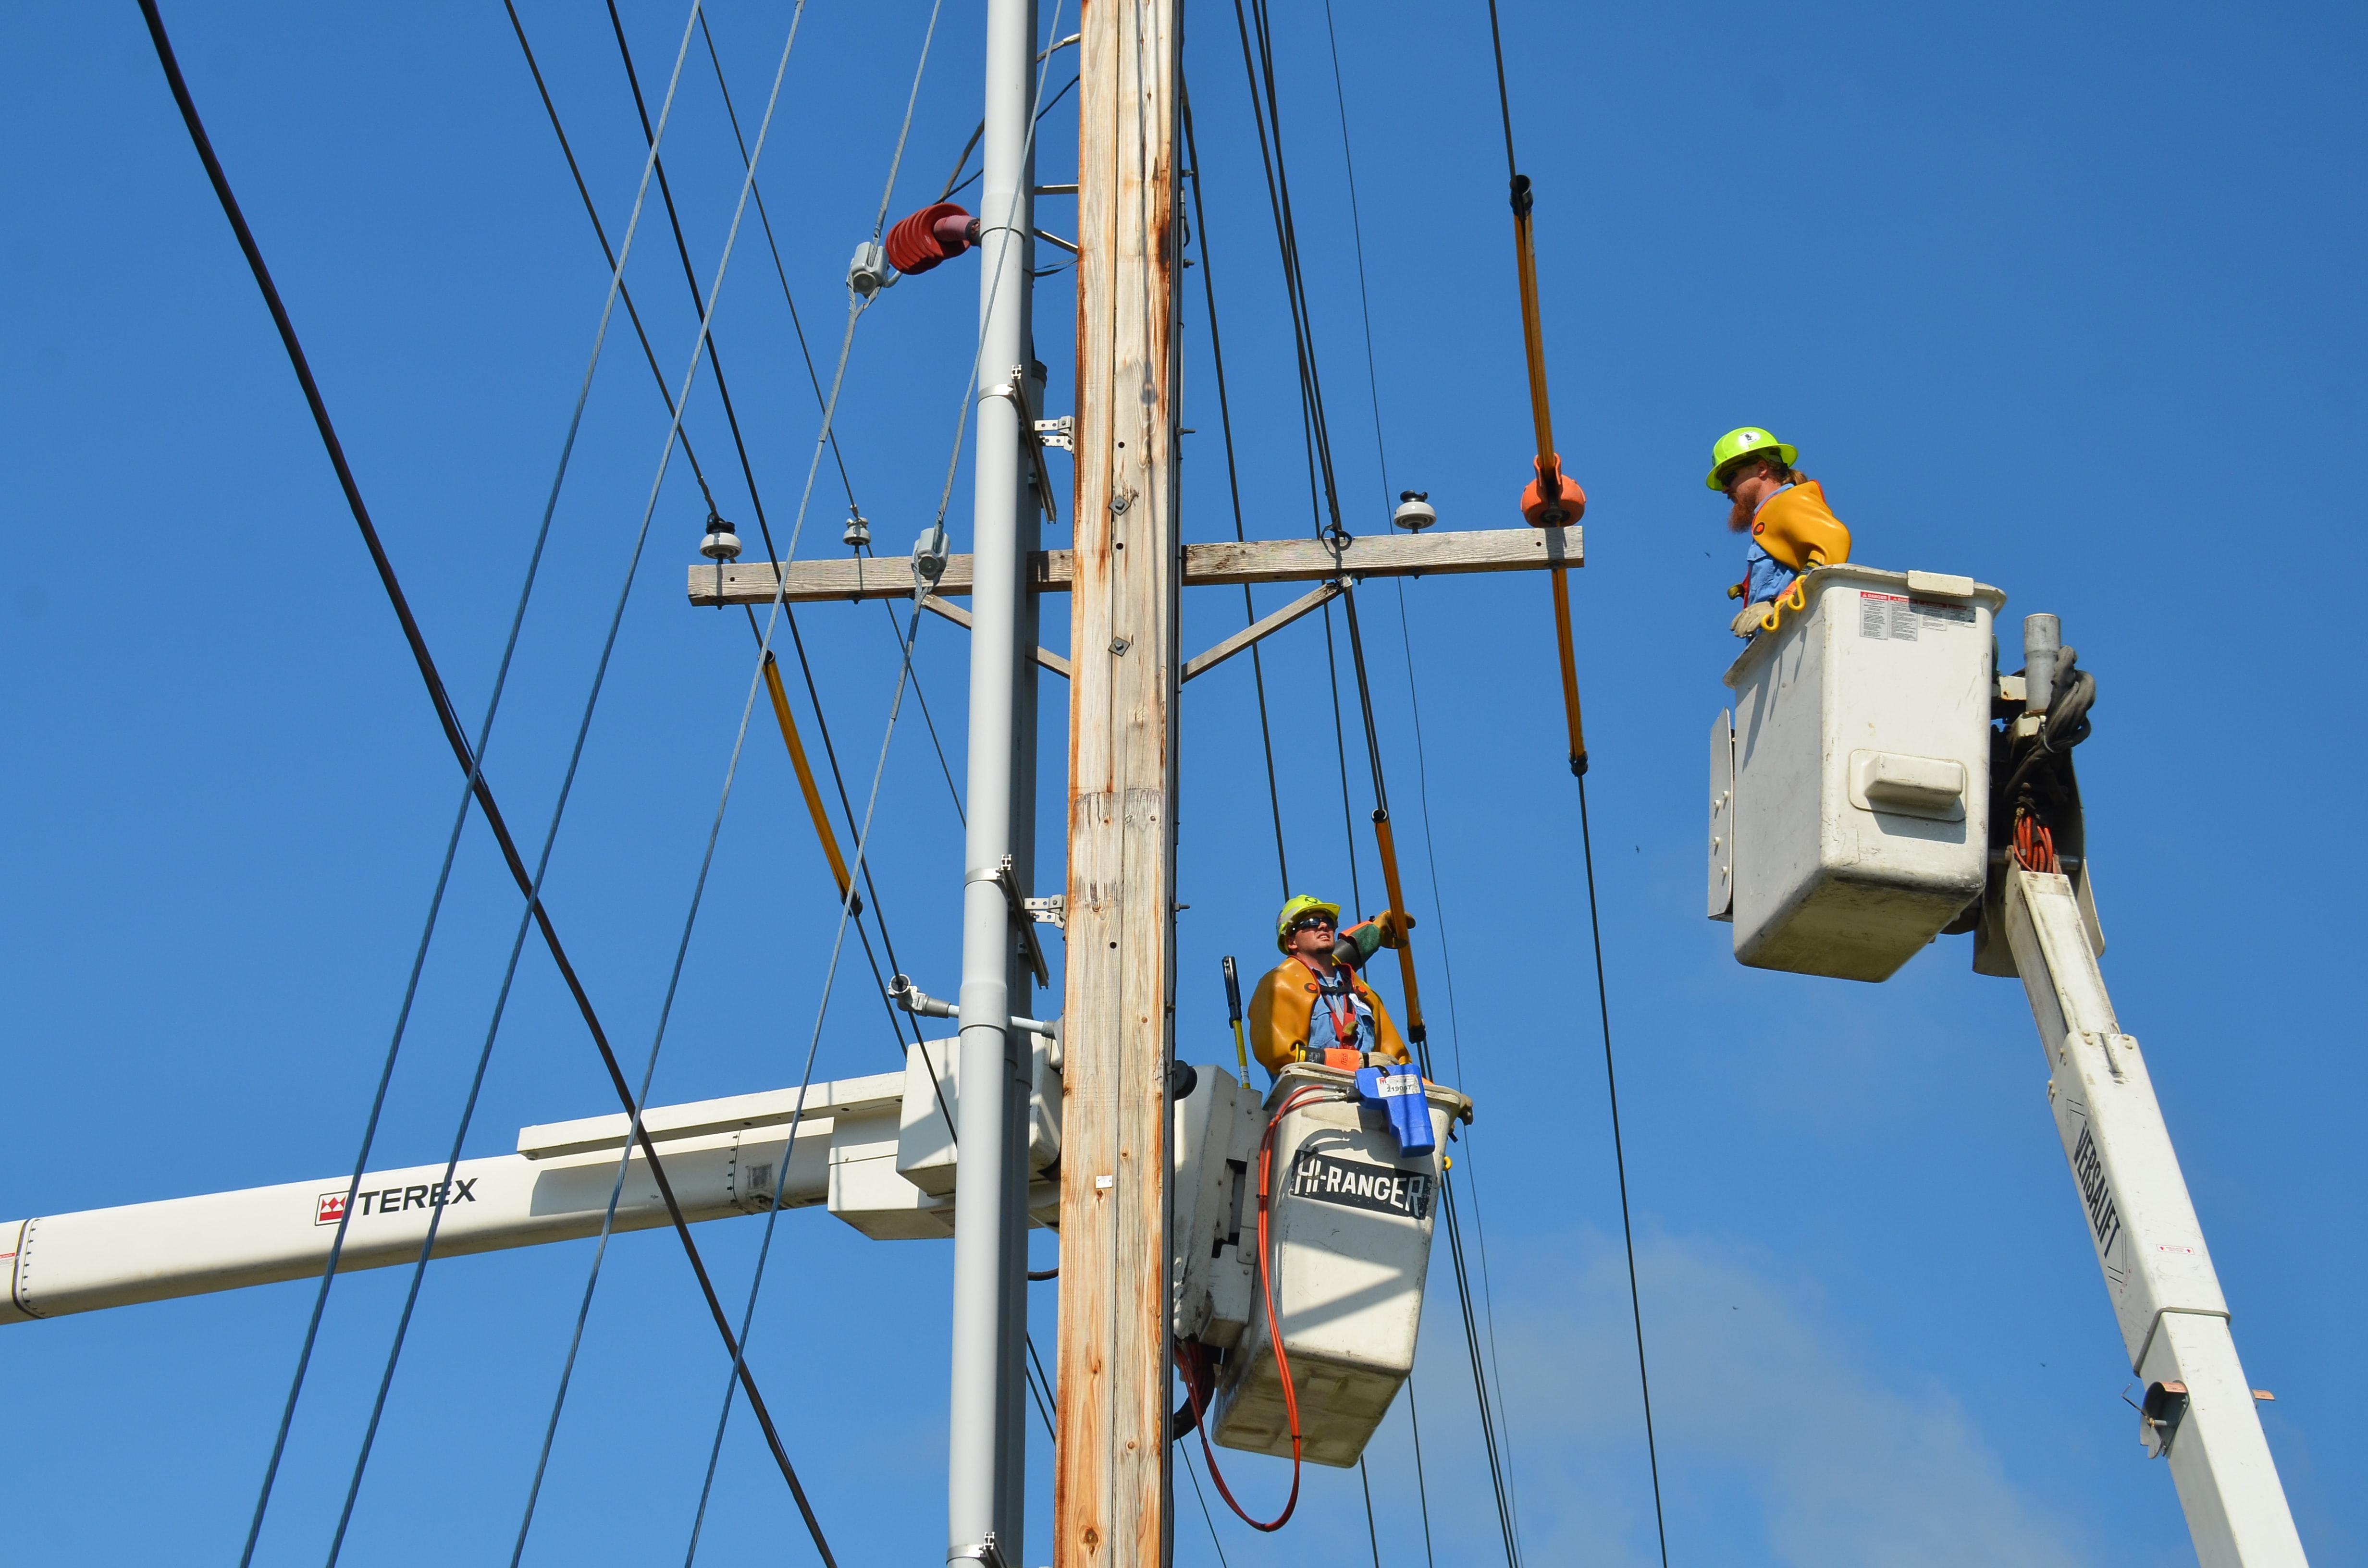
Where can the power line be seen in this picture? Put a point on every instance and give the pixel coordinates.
(1421, 1490)
(1262, 80)
(1212, 1518)
(689, 273)
(813, 1044)
(724, 391)
(822, 721)
(1234, 484)
(805, 353)
(862, 844)
(592, 211)
(1372, 1533)
(465, 754)
(1587, 844)
(559, 807)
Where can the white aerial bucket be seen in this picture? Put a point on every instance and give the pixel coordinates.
(1850, 791)
(1348, 1226)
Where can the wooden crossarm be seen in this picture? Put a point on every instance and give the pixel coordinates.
(1205, 566)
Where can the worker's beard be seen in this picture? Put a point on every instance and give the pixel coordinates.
(1738, 517)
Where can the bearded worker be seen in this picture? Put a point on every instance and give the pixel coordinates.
(1782, 510)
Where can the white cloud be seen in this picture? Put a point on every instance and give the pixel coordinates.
(1782, 1437)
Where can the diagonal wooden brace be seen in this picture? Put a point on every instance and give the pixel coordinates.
(1201, 664)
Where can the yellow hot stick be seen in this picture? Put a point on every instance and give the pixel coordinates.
(1397, 907)
(1569, 669)
(805, 775)
(1233, 1010)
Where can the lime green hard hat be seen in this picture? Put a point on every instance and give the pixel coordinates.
(1298, 909)
(1741, 442)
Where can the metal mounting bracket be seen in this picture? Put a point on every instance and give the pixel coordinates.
(1061, 432)
(985, 1553)
(1052, 911)
(1022, 921)
(1015, 390)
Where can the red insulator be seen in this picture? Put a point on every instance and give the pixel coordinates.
(933, 235)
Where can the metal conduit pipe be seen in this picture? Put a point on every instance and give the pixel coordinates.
(985, 1437)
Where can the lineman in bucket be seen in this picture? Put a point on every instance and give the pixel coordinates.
(1312, 1007)
(1782, 510)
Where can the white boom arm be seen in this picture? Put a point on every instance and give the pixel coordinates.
(722, 1157)
(879, 1149)
(2199, 1408)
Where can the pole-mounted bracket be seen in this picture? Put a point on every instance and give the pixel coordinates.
(1052, 911)
(1022, 920)
(1061, 433)
(985, 1553)
(1015, 391)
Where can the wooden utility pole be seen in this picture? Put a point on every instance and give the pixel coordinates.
(1110, 1491)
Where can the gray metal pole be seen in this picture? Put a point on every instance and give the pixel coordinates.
(983, 1469)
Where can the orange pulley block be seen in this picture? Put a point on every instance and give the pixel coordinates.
(1552, 499)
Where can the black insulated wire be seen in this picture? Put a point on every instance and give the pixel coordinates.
(1620, 1164)
(1266, 112)
(839, 458)
(1258, 60)
(690, 278)
(1522, 197)
(591, 211)
(447, 717)
(1234, 484)
(608, 254)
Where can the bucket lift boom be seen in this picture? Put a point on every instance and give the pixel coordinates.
(1851, 798)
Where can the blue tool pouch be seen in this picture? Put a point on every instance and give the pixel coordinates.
(1398, 1091)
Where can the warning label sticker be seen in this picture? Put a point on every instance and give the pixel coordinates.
(1895, 618)
(1885, 617)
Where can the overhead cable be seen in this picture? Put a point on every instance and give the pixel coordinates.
(1234, 484)
(805, 353)
(1511, 1498)
(1577, 760)
(466, 754)
(1259, 62)
(592, 211)
(559, 807)
(855, 311)
(1265, 107)
(822, 722)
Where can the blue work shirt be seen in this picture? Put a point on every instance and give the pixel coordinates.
(1337, 1003)
(1764, 576)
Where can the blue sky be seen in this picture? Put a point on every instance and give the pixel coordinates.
(2062, 298)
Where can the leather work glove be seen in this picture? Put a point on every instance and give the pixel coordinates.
(1748, 619)
(1356, 945)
